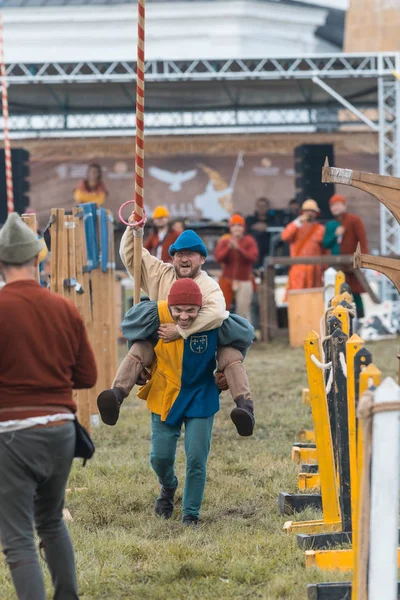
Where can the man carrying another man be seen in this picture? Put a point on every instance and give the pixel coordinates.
(182, 389)
(188, 255)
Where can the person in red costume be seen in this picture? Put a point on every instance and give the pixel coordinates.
(341, 237)
(237, 252)
(162, 236)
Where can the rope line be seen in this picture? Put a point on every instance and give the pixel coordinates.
(7, 146)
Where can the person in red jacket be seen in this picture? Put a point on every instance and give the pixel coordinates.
(45, 355)
(237, 252)
(341, 237)
(162, 237)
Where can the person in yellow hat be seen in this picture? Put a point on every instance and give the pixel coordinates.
(162, 236)
(304, 236)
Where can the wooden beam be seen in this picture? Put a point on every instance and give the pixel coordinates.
(384, 188)
(388, 266)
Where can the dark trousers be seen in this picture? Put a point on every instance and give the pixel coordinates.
(34, 469)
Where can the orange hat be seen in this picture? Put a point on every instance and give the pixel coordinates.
(310, 204)
(160, 212)
(185, 291)
(237, 220)
(337, 198)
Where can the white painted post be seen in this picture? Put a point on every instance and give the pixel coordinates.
(329, 285)
(382, 576)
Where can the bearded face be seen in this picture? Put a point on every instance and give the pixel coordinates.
(187, 263)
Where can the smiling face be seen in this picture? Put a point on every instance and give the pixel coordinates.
(187, 263)
(184, 314)
(237, 230)
(337, 209)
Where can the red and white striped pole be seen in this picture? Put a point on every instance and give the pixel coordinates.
(7, 147)
(139, 150)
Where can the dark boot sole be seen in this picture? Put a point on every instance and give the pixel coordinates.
(108, 407)
(244, 421)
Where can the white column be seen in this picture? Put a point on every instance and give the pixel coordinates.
(384, 497)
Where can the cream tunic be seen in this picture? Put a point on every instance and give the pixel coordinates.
(157, 278)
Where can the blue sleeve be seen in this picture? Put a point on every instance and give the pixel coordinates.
(141, 322)
(237, 332)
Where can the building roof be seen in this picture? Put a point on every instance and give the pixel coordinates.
(36, 3)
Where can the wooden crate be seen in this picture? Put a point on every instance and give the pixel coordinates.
(305, 309)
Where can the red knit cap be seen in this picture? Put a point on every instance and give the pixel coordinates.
(337, 198)
(185, 291)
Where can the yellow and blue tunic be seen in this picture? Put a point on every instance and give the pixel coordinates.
(182, 384)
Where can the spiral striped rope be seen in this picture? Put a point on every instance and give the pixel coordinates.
(7, 147)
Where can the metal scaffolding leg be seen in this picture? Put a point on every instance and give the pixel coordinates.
(389, 164)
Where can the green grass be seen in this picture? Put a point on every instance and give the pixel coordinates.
(124, 552)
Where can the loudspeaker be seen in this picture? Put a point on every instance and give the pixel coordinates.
(309, 160)
(21, 173)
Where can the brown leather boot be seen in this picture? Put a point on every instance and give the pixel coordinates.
(243, 416)
(109, 403)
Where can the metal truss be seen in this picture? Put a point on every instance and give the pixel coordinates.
(389, 164)
(180, 122)
(321, 65)
(381, 67)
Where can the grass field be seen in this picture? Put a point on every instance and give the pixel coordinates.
(125, 552)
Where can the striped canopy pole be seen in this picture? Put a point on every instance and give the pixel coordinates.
(139, 151)
(7, 147)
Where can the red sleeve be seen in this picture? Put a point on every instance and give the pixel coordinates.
(289, 233)
(361, 235)
(84, 374)
(249, 249)
(148, 244)
(222, 249)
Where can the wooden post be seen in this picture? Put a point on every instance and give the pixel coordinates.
(369, 376)
(339, 340)
(82, 302)
(113, 360)
(58, 249)
(323, 438)
(339, 280)
(271, 316)
(382, 581)
(354, 344)
(30, 220)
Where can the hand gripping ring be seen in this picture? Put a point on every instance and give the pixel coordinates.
(136, 223)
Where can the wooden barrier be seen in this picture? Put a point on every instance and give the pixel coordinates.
(93, 293)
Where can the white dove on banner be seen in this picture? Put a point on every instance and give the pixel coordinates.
(209, 203)
(174, 180)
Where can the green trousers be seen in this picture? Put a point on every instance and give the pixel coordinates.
(164, 439)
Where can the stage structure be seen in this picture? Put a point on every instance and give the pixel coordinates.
(311, 93)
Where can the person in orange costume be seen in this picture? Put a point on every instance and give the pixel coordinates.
(237, 252)
(305, 235)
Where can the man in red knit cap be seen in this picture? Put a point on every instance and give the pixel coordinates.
(341, 237)
(237, 252)
(182, 389)
(45, 356)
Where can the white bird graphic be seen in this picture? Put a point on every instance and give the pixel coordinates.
(209, 202)
(174, 180)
